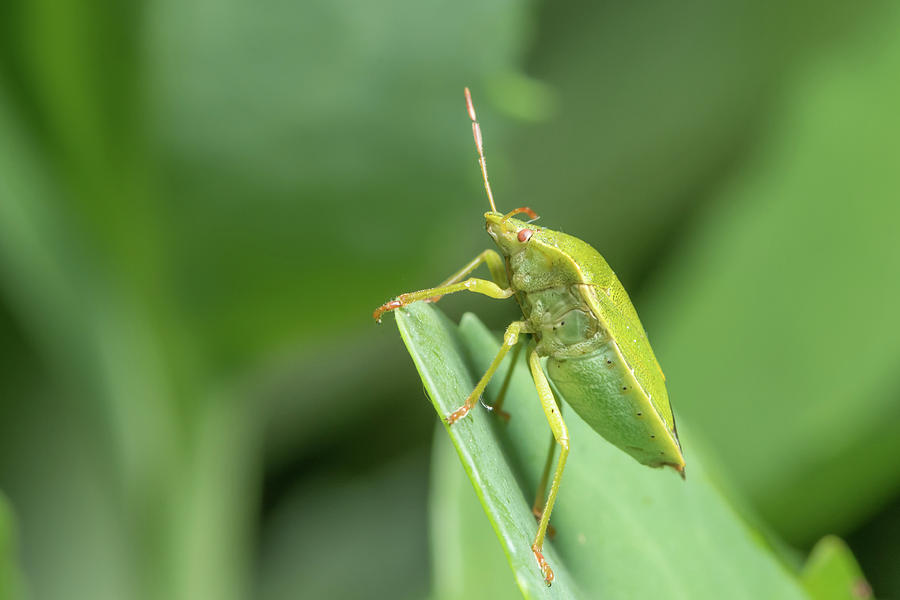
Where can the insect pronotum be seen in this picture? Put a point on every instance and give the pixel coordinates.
(580, 317)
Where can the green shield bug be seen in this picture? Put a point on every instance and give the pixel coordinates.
(580, 318)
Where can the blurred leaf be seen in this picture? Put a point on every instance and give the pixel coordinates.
(775, 321)
(300, 139)
(11, 582)
(877, 546)
(82, 269)
(349, 537)
(463, 544)
(53, 420)
(151, 260)
(616, 520)
(831, 573)
(657, 101)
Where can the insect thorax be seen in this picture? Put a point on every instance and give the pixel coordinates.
(549, 292)
(564, 325)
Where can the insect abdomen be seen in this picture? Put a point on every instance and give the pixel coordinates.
(603, 391)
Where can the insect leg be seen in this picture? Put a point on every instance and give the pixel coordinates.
(497, 407)
(495, 264)
(481, 286)
(538, 507)
(510, 339)
(561, 435)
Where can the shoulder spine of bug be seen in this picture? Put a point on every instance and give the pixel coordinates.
(578, 316)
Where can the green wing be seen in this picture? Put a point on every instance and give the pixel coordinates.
(610, 303)
(613, 308)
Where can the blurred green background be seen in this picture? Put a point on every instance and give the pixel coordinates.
(201, 203)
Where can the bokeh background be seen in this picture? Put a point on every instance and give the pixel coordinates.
(202, 201)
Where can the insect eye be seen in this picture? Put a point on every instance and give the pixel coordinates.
(525, 235)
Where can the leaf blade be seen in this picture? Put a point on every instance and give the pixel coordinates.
(438, 354)
(624, 530)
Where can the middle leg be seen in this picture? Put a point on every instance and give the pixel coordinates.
(497, 406)
(510, 339)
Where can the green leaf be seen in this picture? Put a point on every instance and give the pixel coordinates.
(776, 320)
(463, 545)
(623, 530)
(11, 583)
(656, 101)
(370, 523)
(832, 573)
(262, 143)
(436, 348)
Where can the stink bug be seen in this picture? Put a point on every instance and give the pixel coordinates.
(580, 317)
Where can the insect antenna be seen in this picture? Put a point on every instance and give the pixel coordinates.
(533, 216)
(476, 131)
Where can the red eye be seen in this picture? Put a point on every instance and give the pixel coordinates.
(525, 235)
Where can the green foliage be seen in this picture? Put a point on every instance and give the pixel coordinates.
(201, 203)
(11, 587)
(617, 520)
(437, 352)
(467, 561)
(831, 573)
(771, 318)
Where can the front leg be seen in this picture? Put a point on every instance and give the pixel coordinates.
(481, 286)
(499, 288)
(495, 264)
